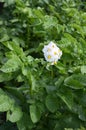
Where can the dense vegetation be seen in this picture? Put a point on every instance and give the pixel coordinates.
(35, 95)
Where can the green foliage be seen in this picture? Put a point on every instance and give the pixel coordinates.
(51, 103)
(35, 113)
(34, 94)
(14, 112)
(8, 2)
(5, 102)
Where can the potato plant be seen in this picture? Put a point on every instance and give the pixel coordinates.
(35, 95)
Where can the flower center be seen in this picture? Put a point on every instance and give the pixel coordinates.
(55, 53)
(55, 62)
(49, 57)
(48, 49)
(53, 46)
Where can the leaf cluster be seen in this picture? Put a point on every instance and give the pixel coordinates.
(34, 94)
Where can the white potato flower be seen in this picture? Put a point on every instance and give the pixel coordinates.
(52, 53)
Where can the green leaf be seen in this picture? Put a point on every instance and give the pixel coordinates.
(50, 89)
(67, 97)
(83, 69)
(5, 101)
(81, 78)
(35, 113)
(16, 93)
(32, 81)
(8, 2)
(51, 103)
(78, 28)
(15, 114)
(70, 11)
(14, 46)
(82, 113)
(4, 38)
(5, 77)
(50, 21)
(11, 65)
(7, 104)
(30, 59)
(25, 122)
(72, 82)
(70, 38)
(59, 82)
(61, 67)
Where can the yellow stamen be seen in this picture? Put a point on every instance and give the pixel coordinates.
(53, 46)
(55, 53)
(49, 57)
(55, 62)
(48, 49)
